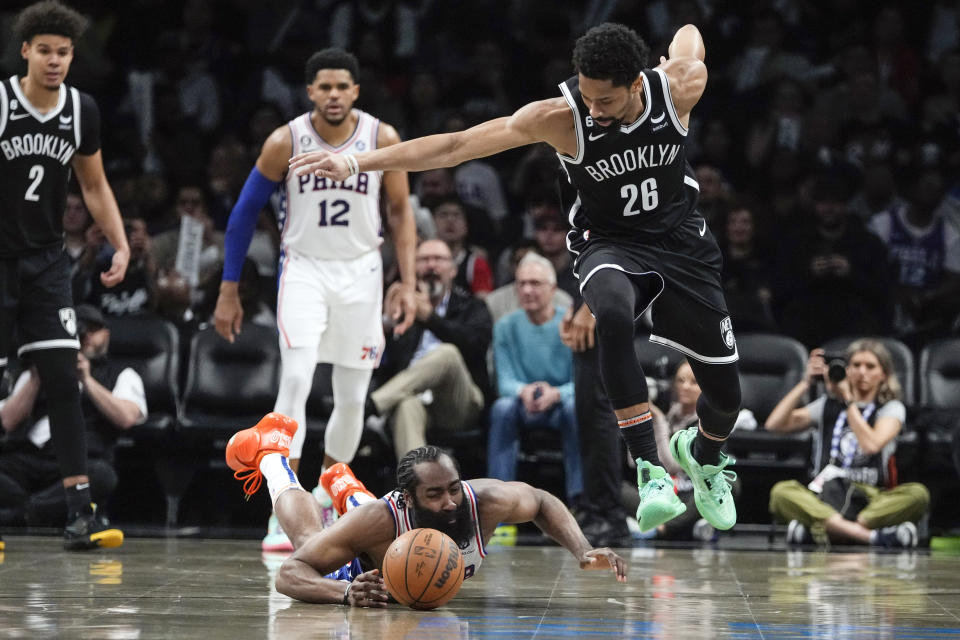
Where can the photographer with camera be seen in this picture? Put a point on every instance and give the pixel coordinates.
(112, 400)
(855, 424)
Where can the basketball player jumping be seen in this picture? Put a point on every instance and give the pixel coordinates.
(329, 305)
(619, 130)
(341, 564)
(47, 129)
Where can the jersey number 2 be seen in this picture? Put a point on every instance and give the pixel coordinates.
(36, 174)
(647, 194)
(338, 209)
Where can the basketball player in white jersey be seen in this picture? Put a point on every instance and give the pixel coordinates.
(340, 564)
(329, 302)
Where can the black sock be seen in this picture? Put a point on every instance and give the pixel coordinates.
(706, 450)
(78, 500)
(637, 432)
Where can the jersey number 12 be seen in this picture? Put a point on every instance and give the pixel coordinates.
(338, 209)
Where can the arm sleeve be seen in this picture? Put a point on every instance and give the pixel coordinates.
(89, 126)
(243, 221)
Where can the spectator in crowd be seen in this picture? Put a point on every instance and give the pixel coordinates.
(715, 193)
(534, 377)
(855, 424)
(925, 250)
(831, 280)
(435, 374)
(473, 270)
(113, 401)
(879, 190)
(746, 270)
(76, 219)
(681, 414)
(550, 233)
(504, 300)
(136, 294)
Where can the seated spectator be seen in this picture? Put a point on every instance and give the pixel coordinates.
(435, 374)
(186, 257)
(534, 377)
(831, 279)
(136, 293)
(746, 271)
(550, 230)
(503, 300)
(855, 425)
(113, 400)
(681, 414)
(925, 250)
(473, 270)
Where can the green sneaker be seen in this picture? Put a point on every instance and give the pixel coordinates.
(711, 483)
(658, 501)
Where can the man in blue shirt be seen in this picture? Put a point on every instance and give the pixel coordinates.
(534, 376)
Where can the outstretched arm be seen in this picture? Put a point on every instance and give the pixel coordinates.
(544, 121)
(514, 502)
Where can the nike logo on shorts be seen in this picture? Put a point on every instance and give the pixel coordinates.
(703, 229)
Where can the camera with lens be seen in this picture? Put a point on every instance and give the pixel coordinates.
(836, 366)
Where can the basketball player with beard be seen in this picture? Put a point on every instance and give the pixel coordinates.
(619, 130)
(341, 564)
(329, 302)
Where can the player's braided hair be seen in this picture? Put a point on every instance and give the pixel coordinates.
(406, 477)
(612, 52)
(50, 17)
(331, 58)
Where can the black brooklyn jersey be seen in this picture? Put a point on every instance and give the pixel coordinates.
(35, 154)
(633, 184)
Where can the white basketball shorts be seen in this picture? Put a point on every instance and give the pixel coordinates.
(333, 305)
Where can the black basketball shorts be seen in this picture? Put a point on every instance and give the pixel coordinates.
(36, 303)
(678, 278)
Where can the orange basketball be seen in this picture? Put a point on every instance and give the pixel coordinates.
(423, 569)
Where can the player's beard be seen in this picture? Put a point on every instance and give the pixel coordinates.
(460, 531)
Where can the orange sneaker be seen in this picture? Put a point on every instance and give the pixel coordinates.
(245, 448)
(340, 483)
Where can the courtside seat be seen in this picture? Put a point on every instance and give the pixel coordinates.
(229, 386)
(770, 366)
(151, 346)
(940, 374)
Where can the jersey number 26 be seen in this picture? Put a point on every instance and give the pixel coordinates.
(646, 194)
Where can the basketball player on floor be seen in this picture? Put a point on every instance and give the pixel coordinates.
(637, 240)
(340, 564)
(329, 304)
(47, 130)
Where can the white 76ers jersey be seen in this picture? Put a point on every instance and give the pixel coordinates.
(326, 219)
(473, 552)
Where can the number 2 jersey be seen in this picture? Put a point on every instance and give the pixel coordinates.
(324, 218)
(35, 154)
(633, 184)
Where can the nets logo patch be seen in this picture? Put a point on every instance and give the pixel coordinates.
(726, 332)
(68, 318)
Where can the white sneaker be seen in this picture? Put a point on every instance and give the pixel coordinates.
(276, 539)
(328, 512)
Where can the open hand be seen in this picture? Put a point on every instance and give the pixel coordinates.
(605, 558)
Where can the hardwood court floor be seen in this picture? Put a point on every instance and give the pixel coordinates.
(181, 588)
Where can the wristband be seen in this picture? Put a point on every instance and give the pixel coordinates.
(352, 165)
(346, 594)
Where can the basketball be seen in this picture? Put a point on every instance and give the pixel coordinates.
(423, 569)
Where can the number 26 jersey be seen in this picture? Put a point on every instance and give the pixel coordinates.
(634, 183)
(324, 218)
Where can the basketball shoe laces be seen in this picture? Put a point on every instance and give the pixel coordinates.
(718, 483)
(651, 485)
(251, 478)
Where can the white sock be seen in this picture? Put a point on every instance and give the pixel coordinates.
(279, 475)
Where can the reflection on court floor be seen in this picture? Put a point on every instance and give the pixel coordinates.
(181, 588)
